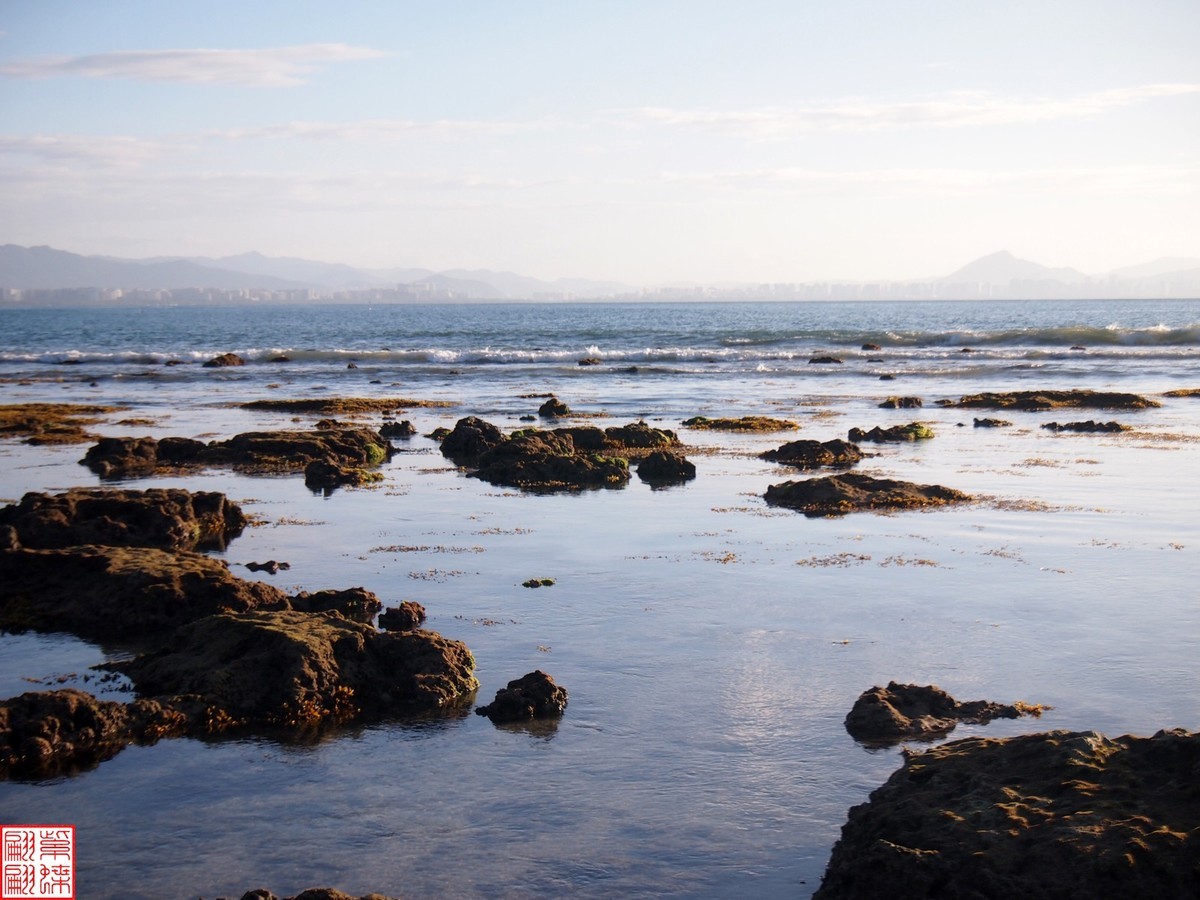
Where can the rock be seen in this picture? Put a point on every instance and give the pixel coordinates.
(1079, 347)
(902, 403)
(471, 438)
(589, 361)
(638, 436)
(745, 423)
(900, 711)
(256, 452)
(664, 466)
(50, 423)
(538, 583)
(271, 567)
(840, 494)
(887, 377)
(1183, 392)
(1042, 400)
(553, 409)
(282, 358)
(871, 348)
(105, 593)
(224, 360)
(352, 365)
(356, 604)
(1088, 427)
(533, 696)
(824, 361)
(48, 733)
(325, 475)
(1060, 814)
(815, 454)
(334, 406)
(294, 668)
(169, 518)
(897, 434)
(549, 461)
(992, 423)
(405, 617)
(403, 429)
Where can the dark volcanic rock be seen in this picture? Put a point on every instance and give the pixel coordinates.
(112, 457)
(549, 461)
(902, 403)
(405, 617)
(169, 518)
(663, 466)
(1088, 427)
(48, 733)
(825, 361)
(271, 567)
(1064, 815)
(1041, 400)
(224, 360)
(533, 696)
(104, 593)
(897, 434)
(899, 711)
(291, 668)
(402, 429)
(553, 408)
(814, 454)
(992, 423)
(471, 438)
(839, 494)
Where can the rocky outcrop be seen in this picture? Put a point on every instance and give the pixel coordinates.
(50, 423)
(992, 423)
(292, 668)
(638, 438)
(840, 494)
(405, 617)
(169, 518)
(549, 461)
(356, 604)
(897, 434)
(902, 403)
(666, 467)
(745, 423)
(471, 438)
(553, 409)
(259, 452)
(47, 733)
(224, 361)
(401, 430)
(824, 361)
(341, 406)
(815, 454)
(532, 696)
(1034, 401)
(888, 715)
(325, 475)
(1072, 815)
(1088, 427)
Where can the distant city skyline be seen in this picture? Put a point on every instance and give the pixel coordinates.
(643, 143)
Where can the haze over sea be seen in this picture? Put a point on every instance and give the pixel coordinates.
(712, 645)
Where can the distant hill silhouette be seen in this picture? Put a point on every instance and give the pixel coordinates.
(1003, 267)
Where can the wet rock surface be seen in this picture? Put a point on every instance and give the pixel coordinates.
(666, 467)
(405, 617)
(553, 409)
(902, 403)
(1054, 815)
(1088, 427)
(223, 361)
(470, 438)
(840, 494)
(293, 668)
(744, 423)
(260, 452)
(549, 461)
(897, 434)
(167, 518)
(815, 454)
(992, 423)
(1033, 401)
(532, 696)
(888, 715)
(340, 406)
(51, 423)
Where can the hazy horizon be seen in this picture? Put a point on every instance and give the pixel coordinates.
(644, 143)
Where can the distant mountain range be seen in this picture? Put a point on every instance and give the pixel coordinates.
(999, 275)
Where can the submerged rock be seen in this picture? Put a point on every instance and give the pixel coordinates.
(1060, 814)
(1042, 400)
(294, 668)
(897, 434)
(1088, 427)
(840, 494)
(532, 696)
(666, 466)
(815, 454)
(887, 715)
(170, 518)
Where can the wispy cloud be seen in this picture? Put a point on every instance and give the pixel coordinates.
(381, 129)
(954, 110)
(92, 150)
(268, 67)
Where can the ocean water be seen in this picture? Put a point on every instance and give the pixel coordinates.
(712, 645)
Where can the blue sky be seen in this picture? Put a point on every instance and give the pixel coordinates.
(645, 142)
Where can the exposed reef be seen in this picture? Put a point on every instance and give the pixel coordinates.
(897, 434)
(888, 715)
(839, 494)
(1056, 815)
(532, 696)
(744, 423)
(1088, 427)
(816, 454)
(1036, 401)
(337, 406)
(51, 423)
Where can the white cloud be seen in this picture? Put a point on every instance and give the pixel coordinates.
(91, 150)
(269, 67)
(380, 129)
(954, 110)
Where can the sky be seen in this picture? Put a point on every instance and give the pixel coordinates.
(647, 142)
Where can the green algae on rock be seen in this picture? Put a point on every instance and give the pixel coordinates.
(1033, 401)
(744, 423)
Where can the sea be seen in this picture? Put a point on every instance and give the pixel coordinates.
(711, 644)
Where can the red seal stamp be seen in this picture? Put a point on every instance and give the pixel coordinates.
(37, 862)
